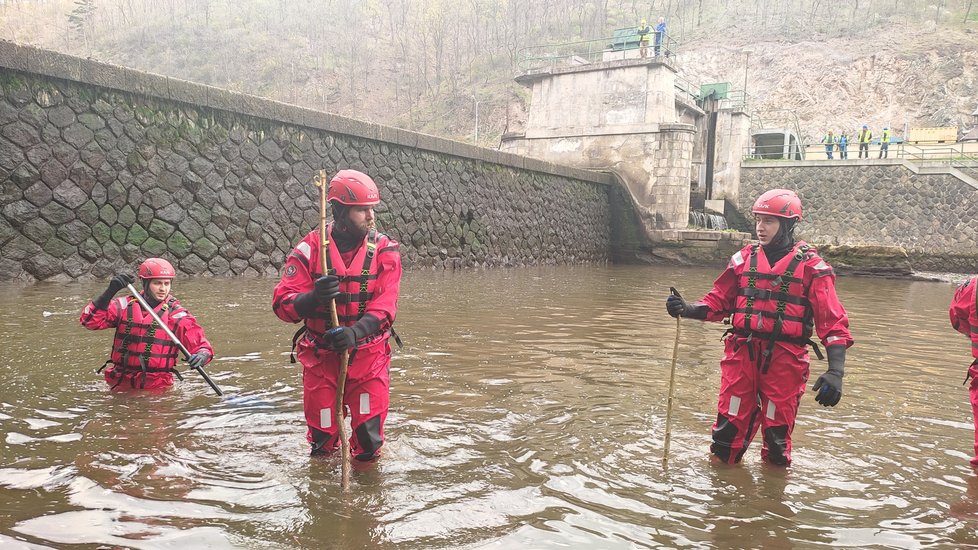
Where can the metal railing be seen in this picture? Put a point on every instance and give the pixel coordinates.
(534, 59)
(962, 156)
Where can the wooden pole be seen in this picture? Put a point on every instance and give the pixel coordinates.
(322, 183)
(672, 387)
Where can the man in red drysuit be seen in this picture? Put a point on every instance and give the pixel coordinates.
(364, 279)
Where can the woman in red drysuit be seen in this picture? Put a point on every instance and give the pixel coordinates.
(143, 356)
(776, 293)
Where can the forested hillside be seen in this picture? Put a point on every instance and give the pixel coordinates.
(428, 65)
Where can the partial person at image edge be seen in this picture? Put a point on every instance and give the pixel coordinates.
(775, 292)
(364, 279)
(143, 356)
(964, 319)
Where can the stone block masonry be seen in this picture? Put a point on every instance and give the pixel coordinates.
(930, 213)
(102, 166)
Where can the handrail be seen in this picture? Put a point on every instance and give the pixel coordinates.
(550, 56)
(956, 155)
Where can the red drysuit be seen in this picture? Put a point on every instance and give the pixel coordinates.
(762, 383)
(964, 319)
(370, 279)
(143, 356)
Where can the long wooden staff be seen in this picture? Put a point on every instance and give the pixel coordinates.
(672, 386)
(322, 183)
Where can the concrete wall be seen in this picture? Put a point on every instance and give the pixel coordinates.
(929, 211)
(603, 98)
(102, 166)
(733, 137)
(619, 116)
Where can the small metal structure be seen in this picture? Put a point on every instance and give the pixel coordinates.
(776, 135)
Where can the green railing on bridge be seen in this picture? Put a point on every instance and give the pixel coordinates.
(623, 45)
(961, 156)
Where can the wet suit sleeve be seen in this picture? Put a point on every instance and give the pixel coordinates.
(830, 318)
(964, 312)
(94, 318)
(185, 326)
(722, 298)
(296, 280)
(962, 306)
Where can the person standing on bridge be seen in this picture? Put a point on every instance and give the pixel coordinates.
(143, 356)
(644, 35)
(885, 143)
(829, 141)
(964, 319)
(864, 138)
(365, 281)
(775, 294)
(843, 146)
(660, 35)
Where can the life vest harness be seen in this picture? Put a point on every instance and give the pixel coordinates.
(148, 339)
(360, 298)
(782, 281)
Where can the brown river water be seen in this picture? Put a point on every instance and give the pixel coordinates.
(528, 410)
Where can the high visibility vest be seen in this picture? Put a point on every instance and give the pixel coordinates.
(643, 33)
(865, 136)
(886, 137)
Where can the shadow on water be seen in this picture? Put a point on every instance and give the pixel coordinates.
(528, 410)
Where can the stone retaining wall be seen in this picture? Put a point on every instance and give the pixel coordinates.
(932, 216)
(103, 166)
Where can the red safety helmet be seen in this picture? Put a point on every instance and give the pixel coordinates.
(353, 188)
(782, 203)
(156, 268)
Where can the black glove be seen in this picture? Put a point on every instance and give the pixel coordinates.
(678, 307)
(198, 359)
(324, 289)
(829, 385)
(340, 339)
(675, 305)
(116, 283)
(119, 282)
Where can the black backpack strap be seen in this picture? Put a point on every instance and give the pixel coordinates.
(295, 341)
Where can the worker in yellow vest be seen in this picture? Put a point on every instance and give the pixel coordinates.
(864, 136)
(885, 143)
(644, 35)
(829, 141)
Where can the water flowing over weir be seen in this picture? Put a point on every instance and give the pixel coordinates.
(708, 221)
(527, 411)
